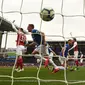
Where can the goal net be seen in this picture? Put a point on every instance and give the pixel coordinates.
(69, 22)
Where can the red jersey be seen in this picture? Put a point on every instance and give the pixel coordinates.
(76, 46)
(21, 38)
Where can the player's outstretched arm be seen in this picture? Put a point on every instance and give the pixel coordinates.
(73, 46)
(13, 26)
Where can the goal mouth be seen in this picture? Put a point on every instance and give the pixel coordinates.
(63, 21)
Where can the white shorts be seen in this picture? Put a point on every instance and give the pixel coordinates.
(62, 59)
(75, 54)
(42, 49)
(20, 49)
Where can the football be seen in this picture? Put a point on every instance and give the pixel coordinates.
(47, 14)
(38, 60)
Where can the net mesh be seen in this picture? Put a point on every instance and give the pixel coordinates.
(63, 32)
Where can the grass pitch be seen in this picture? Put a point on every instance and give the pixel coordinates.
(30, 76)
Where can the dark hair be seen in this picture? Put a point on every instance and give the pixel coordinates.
(74, 39)
(32, 25)
(69, 40)
(21, 29)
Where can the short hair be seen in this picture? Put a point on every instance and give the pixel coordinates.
(69, 40)
(32, 25)
(21, 29)
(74, 39)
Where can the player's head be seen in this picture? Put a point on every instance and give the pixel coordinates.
(74, 39)
(21, 29)
(30, 27)
(69, 41)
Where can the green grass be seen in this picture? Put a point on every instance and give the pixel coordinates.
(11, 54)
(29, 76)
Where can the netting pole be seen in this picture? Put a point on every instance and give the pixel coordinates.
(21, 13)
(40, 49)
(6, 41)
(62, 4)
(1, 34)
(1, 10)
(84, 8)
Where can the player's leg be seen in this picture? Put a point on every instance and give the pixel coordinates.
(81, 61)
(45, 54)
(17, 59)
(62, 60)
(21, 63)
(55, 67)
(17, 64)
(39, 50)
(22, 48)
(76, 59)
(37, 56)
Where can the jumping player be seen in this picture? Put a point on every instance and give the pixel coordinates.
(42, 47)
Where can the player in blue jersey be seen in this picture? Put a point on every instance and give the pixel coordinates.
(64, 52)
(42, 47)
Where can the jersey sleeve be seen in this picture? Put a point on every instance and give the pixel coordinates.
(35, 31)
